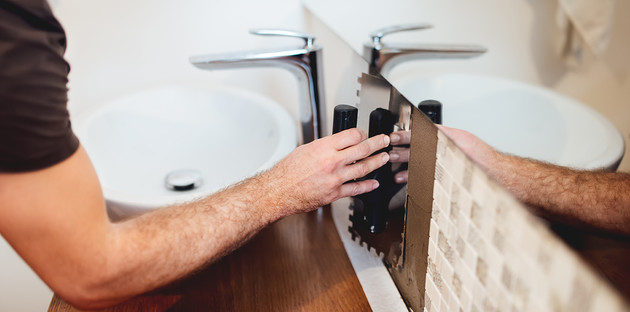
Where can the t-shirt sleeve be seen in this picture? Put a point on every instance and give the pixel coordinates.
(35, 129)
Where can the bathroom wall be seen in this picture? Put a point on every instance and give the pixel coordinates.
(522, 39)
(21, 290)
(116, 47)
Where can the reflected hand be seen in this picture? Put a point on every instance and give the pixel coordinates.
(478, 150)
(400, 154)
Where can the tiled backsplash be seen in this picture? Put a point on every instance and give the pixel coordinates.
(488, 253)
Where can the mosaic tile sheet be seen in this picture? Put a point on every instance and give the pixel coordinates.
(488, 253)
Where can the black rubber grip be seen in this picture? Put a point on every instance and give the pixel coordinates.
(344, 117)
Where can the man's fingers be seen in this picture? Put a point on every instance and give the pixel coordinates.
(399, 155)
(400, 137)
(347, 138)
(365, 148)
(363, 167)
(402, 177)
(356, 188)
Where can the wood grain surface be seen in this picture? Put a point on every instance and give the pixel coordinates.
(608, 255)
(296, 264)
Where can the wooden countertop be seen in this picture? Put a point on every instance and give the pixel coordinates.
(299, 264)
(608, 255)
(296, 264)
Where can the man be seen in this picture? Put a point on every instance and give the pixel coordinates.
(52, 210)
(595, 200)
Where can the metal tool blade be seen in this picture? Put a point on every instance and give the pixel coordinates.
(375, 92)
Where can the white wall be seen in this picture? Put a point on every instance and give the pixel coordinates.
(21, 290)
(116, 47)
(521, 37)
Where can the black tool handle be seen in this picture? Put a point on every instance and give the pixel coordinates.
(376, 202)
(344, 117)
(432, 109)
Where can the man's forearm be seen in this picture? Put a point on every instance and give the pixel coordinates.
(170, 243)
(63, 233)
(598, 200)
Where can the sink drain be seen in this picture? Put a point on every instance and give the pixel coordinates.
(183, 180)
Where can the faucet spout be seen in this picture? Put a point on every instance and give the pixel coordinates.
(306, 65)
(383, 56)
(387, 56)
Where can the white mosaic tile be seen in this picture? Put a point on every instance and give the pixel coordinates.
(478, 294)
(488, 253)
(605, 301)
(503, 300)
(465, 203)
(433, 229)
(493, 290)
(470, 258)
(466, 300)
(562, 271)
(432, 249)
(441, 198)
(443, 306)
(463, 223)
(443, 225)
(432, 293)
(453, 304)
(495, 262)
(447, 274)
(468, 278)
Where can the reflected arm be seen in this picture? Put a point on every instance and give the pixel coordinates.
(592, 199)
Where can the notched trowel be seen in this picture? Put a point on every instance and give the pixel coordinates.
(378, 217)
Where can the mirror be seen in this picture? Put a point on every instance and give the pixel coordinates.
(524, 45)
(358, 97)
(379, 221)
(508, 58)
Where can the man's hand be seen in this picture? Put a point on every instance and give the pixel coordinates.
(400, 154)
(478, 150)
(315, 174)
(55, 219)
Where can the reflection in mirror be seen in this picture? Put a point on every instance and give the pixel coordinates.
(492, 95)
(361, 97)
(378, 216)
(461, 233)
(383, 57)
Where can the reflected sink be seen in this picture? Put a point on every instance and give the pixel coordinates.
(223, 134)
(521, 119)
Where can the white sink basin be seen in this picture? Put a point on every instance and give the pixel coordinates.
(224, 134)
(521, 119)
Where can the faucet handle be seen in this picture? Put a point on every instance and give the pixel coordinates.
(308, 38)
(378, 34)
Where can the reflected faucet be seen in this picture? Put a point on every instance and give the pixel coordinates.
(304, 62)
(383, 57)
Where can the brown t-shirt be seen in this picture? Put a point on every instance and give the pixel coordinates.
(35, 130)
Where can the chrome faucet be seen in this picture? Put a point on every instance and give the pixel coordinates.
(304, 62)
(383, 57)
